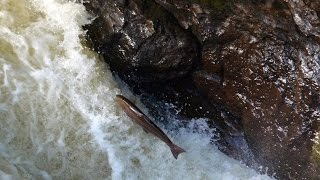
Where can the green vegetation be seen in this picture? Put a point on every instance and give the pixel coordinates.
(316, 151)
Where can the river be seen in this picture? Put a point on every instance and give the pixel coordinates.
(58, 117)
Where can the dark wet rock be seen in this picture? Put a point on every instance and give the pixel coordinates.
(144, 49)
(252, 67)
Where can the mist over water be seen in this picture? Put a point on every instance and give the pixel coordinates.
(58, 117)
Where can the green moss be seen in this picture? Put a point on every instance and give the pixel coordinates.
(316, 152)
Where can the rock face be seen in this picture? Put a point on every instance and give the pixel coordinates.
(142, 40)
(253, 67)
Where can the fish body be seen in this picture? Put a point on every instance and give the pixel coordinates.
(148, 126)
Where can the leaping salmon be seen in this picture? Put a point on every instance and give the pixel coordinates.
(148, 126)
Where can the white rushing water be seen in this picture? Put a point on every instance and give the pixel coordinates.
(58, 118)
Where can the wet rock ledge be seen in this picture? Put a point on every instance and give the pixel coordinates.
(251, 67)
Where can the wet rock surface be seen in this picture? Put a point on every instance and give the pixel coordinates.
(250, 67)
(142, 40)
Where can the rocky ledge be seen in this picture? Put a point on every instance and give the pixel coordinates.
(251, 67)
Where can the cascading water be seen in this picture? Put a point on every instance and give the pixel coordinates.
(58, 115)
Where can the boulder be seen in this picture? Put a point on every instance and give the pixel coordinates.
(141, 40)
(252, 66)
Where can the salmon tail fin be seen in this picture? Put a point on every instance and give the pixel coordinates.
(176, 150)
